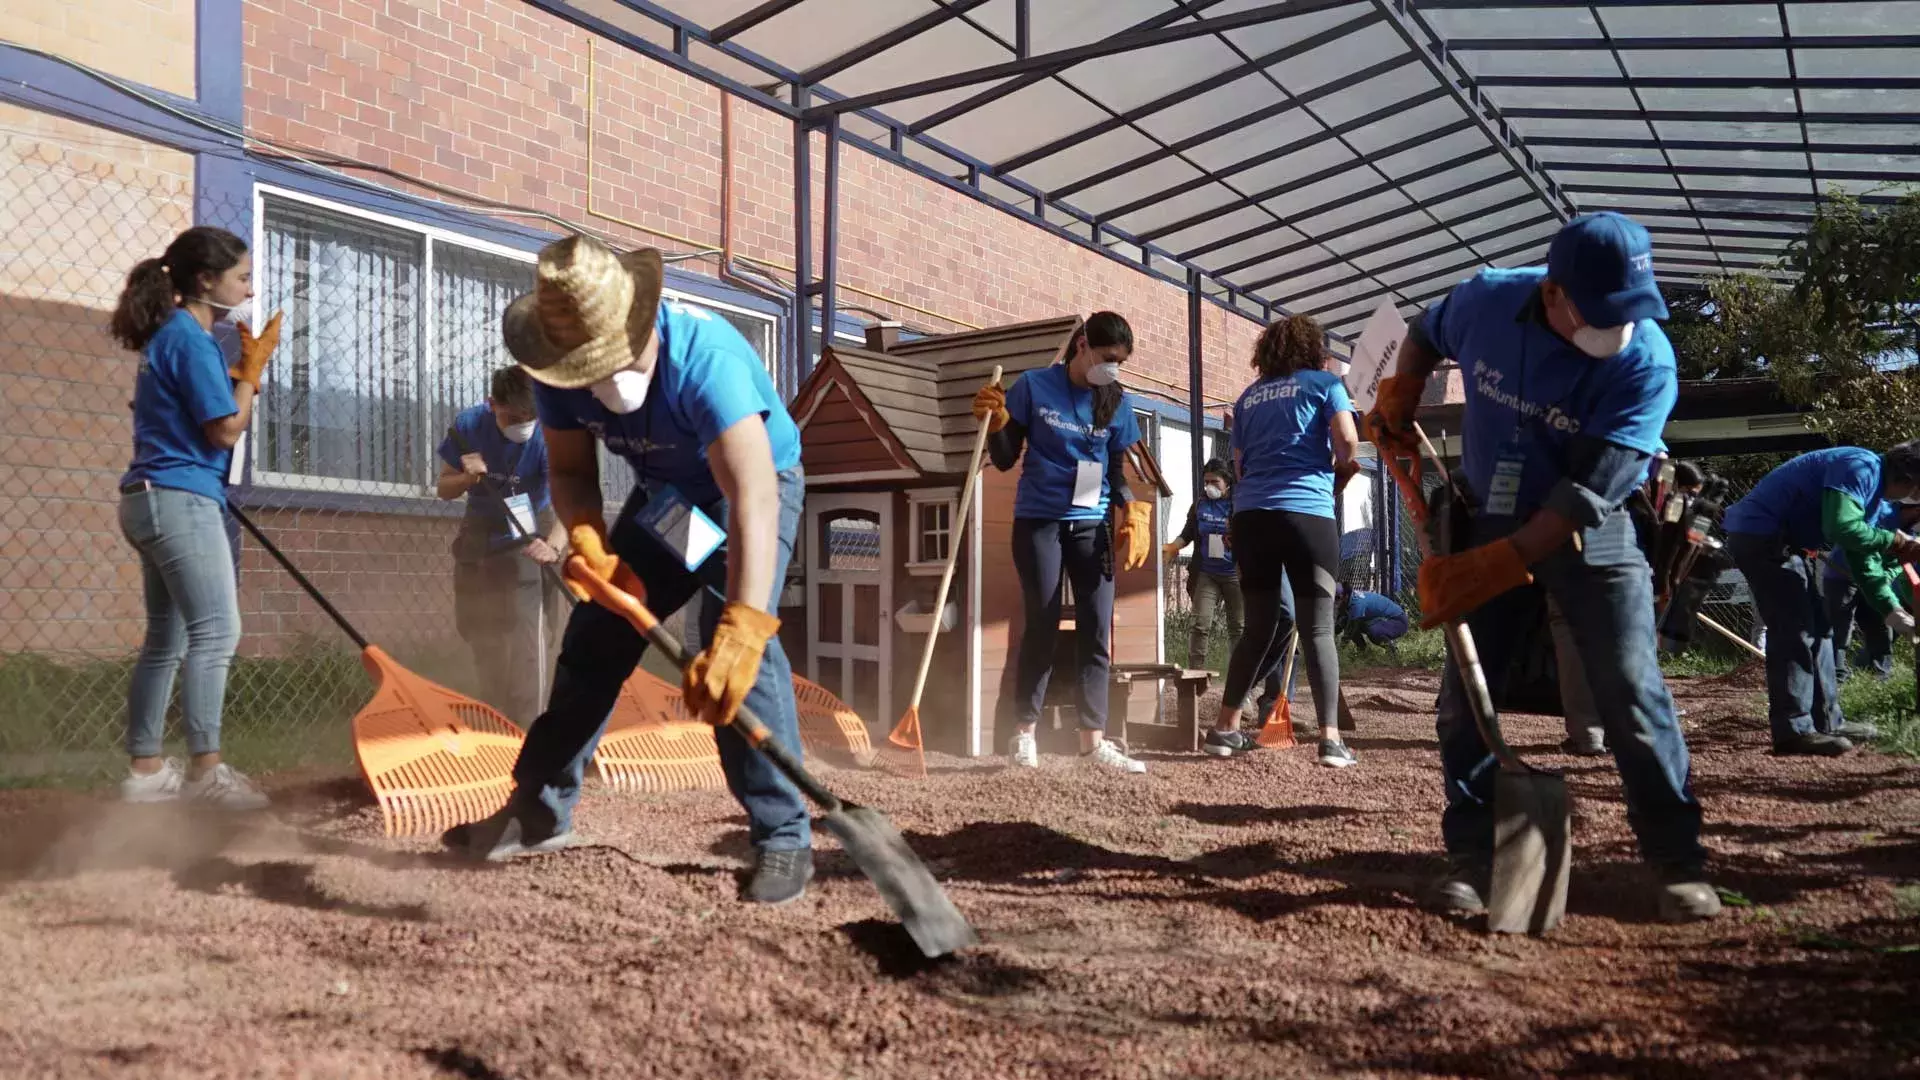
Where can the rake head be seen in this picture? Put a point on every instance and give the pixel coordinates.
(652, 746)
(828, 724)
(434, 758)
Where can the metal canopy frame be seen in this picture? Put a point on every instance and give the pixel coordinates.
(1322, 155)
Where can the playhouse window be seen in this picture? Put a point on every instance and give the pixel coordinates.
(932, 514)
(850, 541)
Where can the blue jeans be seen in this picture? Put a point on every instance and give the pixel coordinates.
(1802, 694)
(601, 649)
(1605, 594)
(193, 616)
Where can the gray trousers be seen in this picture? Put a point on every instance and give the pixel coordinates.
(504, 610)
(1576, 697)
(1209, 591)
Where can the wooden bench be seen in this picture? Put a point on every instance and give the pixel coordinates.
(1059, 728)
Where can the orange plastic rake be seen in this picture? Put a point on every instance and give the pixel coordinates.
(651, 745)
(434, 758)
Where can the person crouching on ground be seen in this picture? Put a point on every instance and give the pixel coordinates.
(1569, 381)
(1817, 501)
(686, 401)
(1069, 426)
(189, 410)
(1368, 618)
(1294, 441)
(495, 455)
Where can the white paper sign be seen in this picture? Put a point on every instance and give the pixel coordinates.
(1374, 355)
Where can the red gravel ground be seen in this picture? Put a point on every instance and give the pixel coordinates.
(1252, 918)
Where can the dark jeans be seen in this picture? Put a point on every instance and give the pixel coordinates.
(1802, 693)
(500, 605)
(1044, 552)
(1847, 609)
(1278, 549)
(600, 651)
(1605, 594)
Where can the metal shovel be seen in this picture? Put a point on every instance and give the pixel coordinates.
(1533, 816)
(875, 846)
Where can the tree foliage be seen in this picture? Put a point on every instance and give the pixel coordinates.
(1840, 340)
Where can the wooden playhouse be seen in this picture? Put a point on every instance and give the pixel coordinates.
(886, 433)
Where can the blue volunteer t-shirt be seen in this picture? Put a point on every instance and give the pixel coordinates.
(706, 378)
(1281, 430)
(1786, 502)
(1058, 417)
(512, 469)
(1887, 518)
(182, 384)
(1529, 390)
(1211, 517)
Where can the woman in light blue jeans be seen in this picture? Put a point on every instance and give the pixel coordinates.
(189, 409)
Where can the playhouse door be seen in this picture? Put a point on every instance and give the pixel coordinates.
(850, 600)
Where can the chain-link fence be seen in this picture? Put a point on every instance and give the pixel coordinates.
(387, 333)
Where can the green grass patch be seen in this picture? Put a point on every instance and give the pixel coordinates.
(1888, 706)
(63, 720)
(1424, 649)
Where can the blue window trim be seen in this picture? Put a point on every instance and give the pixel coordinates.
(1177, 414)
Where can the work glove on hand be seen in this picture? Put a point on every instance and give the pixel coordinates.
(718, 679)
(255, 352)
(1170, 550)
(589, 542)
(1390, 425)
(1900, 622)
(1452, 586)
(1135, 535)
(990, 404)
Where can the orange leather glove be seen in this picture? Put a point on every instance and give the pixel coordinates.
(718, 679)
(255, 352)
(1452, 586)
(589, 541)
(990, 404)
(1390, 424)
(1135, 535)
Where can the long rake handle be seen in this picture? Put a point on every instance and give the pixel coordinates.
(299, 577)
(1473, 676)
(953, 553)
(629, 607)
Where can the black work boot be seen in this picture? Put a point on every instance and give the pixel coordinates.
(1463, 889)
(779, 877)
(1813, 744)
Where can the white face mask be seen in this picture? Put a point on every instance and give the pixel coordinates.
(624, 391)
(1214, 491)
(518, 433)
(1601, 344)
(1103, 374)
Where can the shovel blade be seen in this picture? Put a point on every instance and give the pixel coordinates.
(905, 883)
(1532, 852)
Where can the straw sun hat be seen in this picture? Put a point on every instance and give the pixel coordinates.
(589, 314)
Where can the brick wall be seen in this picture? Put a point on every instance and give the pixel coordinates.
(491, 97)
(147, 41)
(78, 206)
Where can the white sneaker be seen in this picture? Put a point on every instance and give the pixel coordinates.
(161, 785)
(1026, 751)
(226, 787)
(1109, 756)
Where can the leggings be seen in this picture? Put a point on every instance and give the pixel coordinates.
(1045, 553)
(1276, 547)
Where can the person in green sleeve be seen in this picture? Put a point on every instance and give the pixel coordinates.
(1817, 501)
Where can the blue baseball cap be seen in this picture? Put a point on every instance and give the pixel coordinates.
(1605, 263)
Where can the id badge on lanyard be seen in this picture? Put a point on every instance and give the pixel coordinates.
(1087, 477)
(520, 515)
(1503, 490)
(1216, 546)
(680, 526)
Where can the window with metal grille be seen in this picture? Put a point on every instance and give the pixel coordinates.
(386, 333)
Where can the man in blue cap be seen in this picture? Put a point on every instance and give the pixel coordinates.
(1569, 380)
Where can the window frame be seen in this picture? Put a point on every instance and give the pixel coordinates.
(917, 498)
(429, 236)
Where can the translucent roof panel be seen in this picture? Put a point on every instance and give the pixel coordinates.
(1331, 154)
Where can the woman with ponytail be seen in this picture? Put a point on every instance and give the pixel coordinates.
(189, 409)
(1076, 424)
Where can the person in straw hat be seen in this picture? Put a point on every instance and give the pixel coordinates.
(686, 401)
